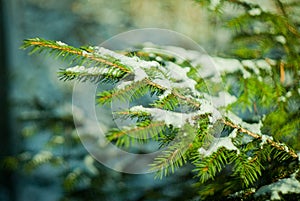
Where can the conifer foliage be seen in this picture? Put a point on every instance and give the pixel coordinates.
(232, 157)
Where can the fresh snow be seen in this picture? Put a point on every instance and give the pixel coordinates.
(76, 69)
(227, 65)
(90, 71)
(255, 128)
(264, 139)
(61, 43)
(281, 39)
(180, 74)
(133, 62)
(165, 94)
(214, 4)
(182, 53)
(139, 74)
(288, 185)
(85, 53)
(230, 66)
(288, 94)
(163, 82)
(218, 143)
(177, 119)
(223, 99)
(123, 84)
(251, 65)
(255, 12)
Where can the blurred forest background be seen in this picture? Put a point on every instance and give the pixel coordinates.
(36, 106)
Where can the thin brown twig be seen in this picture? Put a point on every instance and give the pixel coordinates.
(256, 136)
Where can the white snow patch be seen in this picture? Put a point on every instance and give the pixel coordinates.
(288, 94)
(288, 185)
(286, 149)
(177, 71)
(282, 99)
(85, 53)
(214, 4)
(159, 59)
(177, 78)
(259, 78)
(264, 140)
(139, 74)
(178, 119)
(263, 64)
(181, 53)
(223, 99)
(202, 151)
(165, 94)
(152, 55)
(61, 43)
(76, 69)
(234, 118)
(272, 62)
(255, 12)
(251, 65)
(233, 133)
(163, 82)
(207, 65)
(281, 39)
(255, 128)
(219, 142)
(169, 117)
(246, 74)
(94, 70)
(208, 107)
(90, 70)
(227, 65)
(180, 74)
(123, 84)
(230, 66)
(133, 62)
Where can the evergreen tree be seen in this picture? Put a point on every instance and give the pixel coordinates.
(244, 148)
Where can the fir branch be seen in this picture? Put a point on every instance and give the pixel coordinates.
(171, 159)
(195, 104)
(190, 101)
(176, 154)
(245, 169)
(208, 167)
(169, 102)
(132, 114)
(155, 85)
(63, 50)
(142, 133)
(93, 74)
(130, 92)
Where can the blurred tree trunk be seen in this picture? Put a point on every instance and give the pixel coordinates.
(6, 182)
